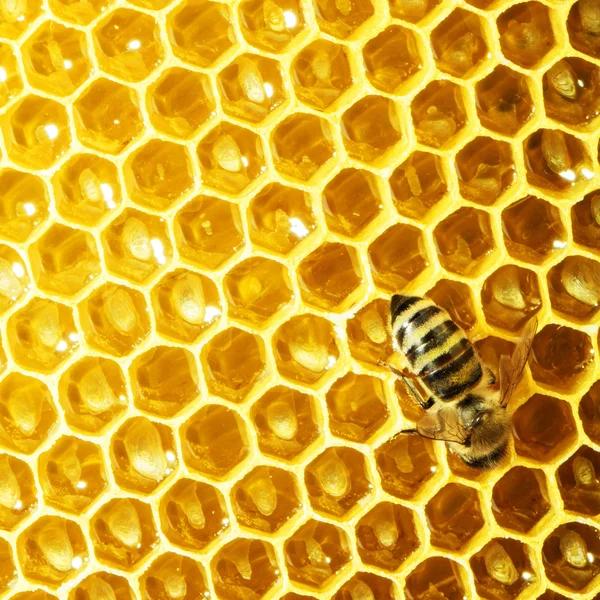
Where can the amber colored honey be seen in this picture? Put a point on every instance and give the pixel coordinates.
(205, 206)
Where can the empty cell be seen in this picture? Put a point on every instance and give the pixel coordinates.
(585, 221)
(369, 585)
(12, 81)
(457, 298)
(18, 16)
(103, 583)
(510, 297)
(589, 412)
(79, 12)
(342, 18)
(533, 230)
(14, 279)
(578, 483)
(369, 339)
(8, 571)
(18, 492)
(436, 576)
(286, 422)
(582, 27)
(412, 11)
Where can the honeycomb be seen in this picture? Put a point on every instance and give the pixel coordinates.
(204, 209)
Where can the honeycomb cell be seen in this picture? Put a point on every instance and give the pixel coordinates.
(438, 113)
(214, 441)
(102, 585)
(342, 19)
(464, 241)
(86, 188)
(12, 82)
(18, 493)
(301, 145)
(485, 169)
(386, 536)
(556, 162)
(582, 27)
(456, 298)
(533, 230)
(172, 106)
(164, 380)
(569, 555)
(123, 532)
(172, 576)
(115, 319)
(79, 12)
(18, 16)
(42, 334)
(315, 553)
(510, 297)
(128, 45)
(251, 87)
(560, 357)
(503, 100)
(208, 231)
(435, 577)
(200, 31)
(412, 11)
(305, 349)
(64, 260)
(280, 217)
(72, 474)
(552, 595)
(585, 221)
(14, 279)
(95, 110)
(93, 394)
(578, 483)
(8, 571)
(369, 340)
(369, 585)
(136, 245)
(185, 305)
(520, 499)
(589, 412)
(265, 499)
(36, 132)
(286, 422)
(34, 595)
(56, 59)
(52, 551)
(526, 33)
(245, 568)
(231, 158)
(405, 464)
(142, 455)
(503, 568)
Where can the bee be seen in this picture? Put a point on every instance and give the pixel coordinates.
(467, 405)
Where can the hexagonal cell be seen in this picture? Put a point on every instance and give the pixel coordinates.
(510, 297)
(136, 245)
(436, 576)
(589, 412)
(123, 532)
(503, 568)
(214, 441)
(12, 81)
(17, 492)
(115, 319)
(503, 100)
(464, 241)
(171, 573)
(128, 44)
(556, 161)
(56, 59)
(286, 422)
(193, 514)
(560, 357)
(265, 498)
(418, 184)
(586, 229)
(438, 113)
(112, 586)
(200, 31)
(370, 584)
(14, 279)
(459, 44)
(456, 298)
(315, 553)
(526, 33)
(386, 536)
(485, 170)
(164, 380)
(8, 571)
(52, 551)
(80, 12)
(42, 334)
(371, 129)
(245, 568)
(86, 188)
(413, 11)
(343, 19)
(17, 17)
(358, 407)
(231, 158)
(337, 481)
(552, 595)
(405, 464)
(280, 217)
(582, 26)
(331, 277)
(36, 132)
(64, 260)
(301, 145)
(570, 554)
(94, 112)
(185, 305)
(72, 474)
(142, 454)
(578, 484)
(369, 338)
(305, 348)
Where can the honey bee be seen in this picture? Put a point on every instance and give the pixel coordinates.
(467, 405)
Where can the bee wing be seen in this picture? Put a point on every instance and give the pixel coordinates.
(442, 425)
(511, 368)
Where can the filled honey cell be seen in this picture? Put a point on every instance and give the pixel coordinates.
(12, 81)
(18, 16)
(100, 585)
(456, 298)
(8, 571)
(369, 339)
(435, 577)
(589, 412)
(369, 585)
(412, 11)
(582, 27)
(18, 493)
(79, 12)
(578, 483)
(14, 279)
(342, 19)
(585, 221)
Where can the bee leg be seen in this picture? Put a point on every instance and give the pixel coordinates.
(425, 404)
(397, 372)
